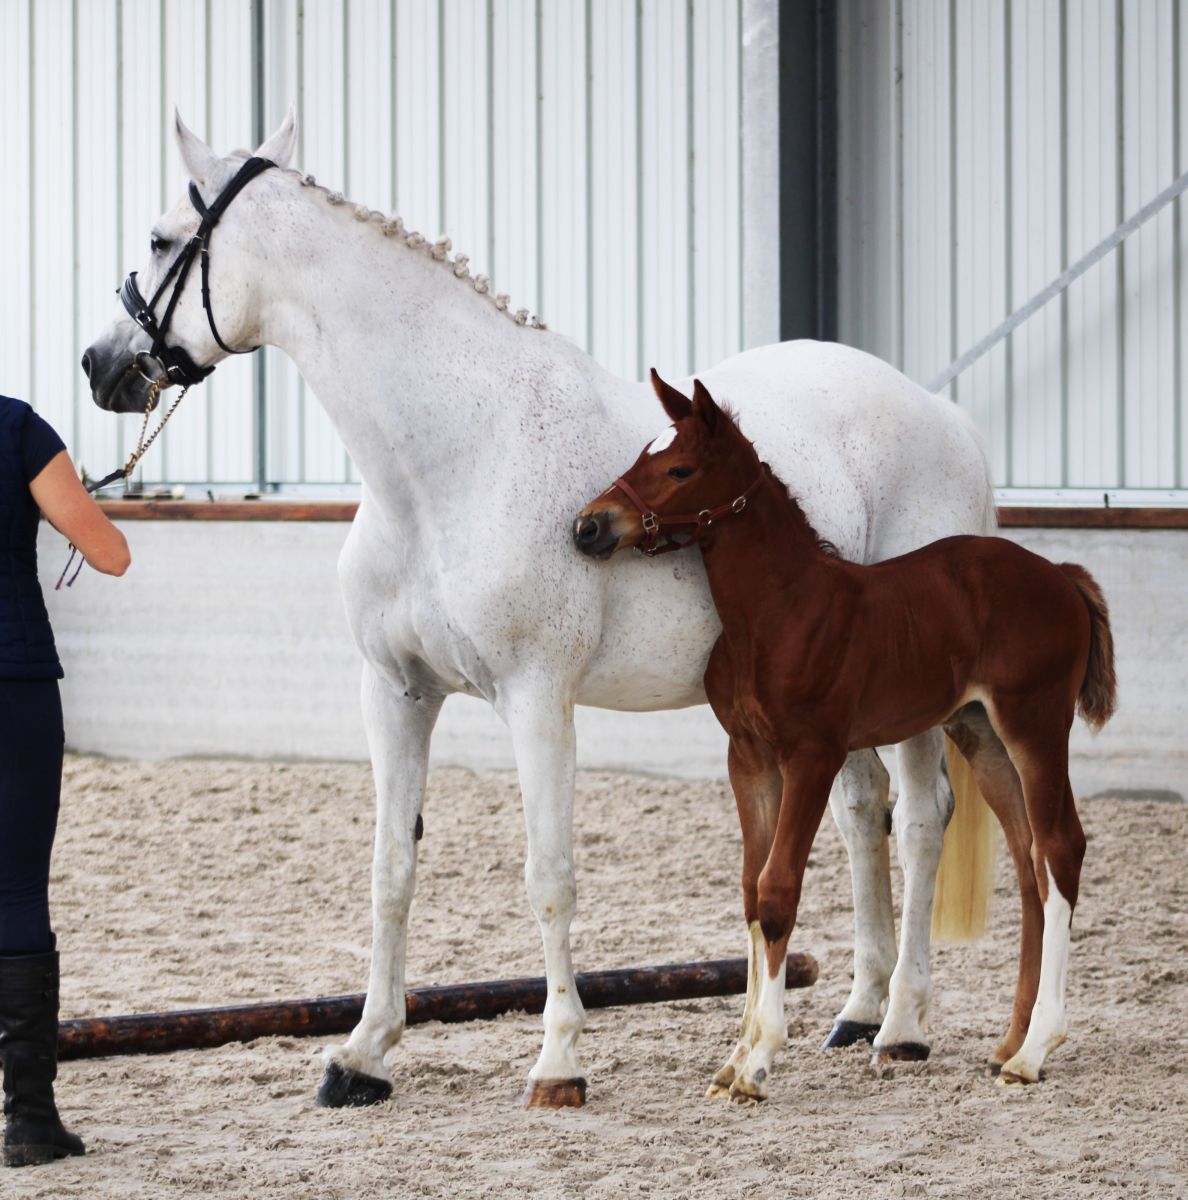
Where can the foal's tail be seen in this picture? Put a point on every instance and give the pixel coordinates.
(1099, 691)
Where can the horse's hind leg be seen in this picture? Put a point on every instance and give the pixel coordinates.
(757, 784)
(998, 781)
(398, 727)
(1058, 849)
(858, 802)
(921, 813)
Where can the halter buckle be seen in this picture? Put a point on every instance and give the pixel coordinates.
(705, 518)
(650, 523)
(739, 504)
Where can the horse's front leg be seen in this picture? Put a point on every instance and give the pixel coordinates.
(808, 774)
(922, 811)
(399, 726)
(858, 802)
(543, 738)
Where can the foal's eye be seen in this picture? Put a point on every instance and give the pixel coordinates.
(159, 244)
(680, 472)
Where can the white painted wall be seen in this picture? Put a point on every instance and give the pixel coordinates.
(985, 147)
(589, 155)
(229, 638)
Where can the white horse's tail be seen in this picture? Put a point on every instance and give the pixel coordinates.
(965, 879)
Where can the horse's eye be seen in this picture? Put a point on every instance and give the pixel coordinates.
(159, 244)
(680, 472)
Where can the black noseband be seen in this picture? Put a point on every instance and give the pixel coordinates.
(174, 363)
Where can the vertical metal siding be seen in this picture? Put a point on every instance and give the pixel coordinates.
(1020, 133)
(587, 154)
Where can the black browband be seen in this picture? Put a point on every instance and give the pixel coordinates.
(173, 362)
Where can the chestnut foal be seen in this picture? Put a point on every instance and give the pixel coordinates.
(819, 657)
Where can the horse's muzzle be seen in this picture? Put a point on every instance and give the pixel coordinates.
(117, 383)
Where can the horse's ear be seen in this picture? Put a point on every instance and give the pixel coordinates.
(705, 407)
(201, 161)
(280, 146)
(675, 403)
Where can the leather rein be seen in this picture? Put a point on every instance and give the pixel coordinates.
(656, 524)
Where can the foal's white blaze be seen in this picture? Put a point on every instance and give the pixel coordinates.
(663, 441)
(1049, 1022)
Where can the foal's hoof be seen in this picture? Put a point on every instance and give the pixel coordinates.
(749, 1091)
(554, 1093)
(1013, 1079)
(343, 1088)
(900, 1052)
(849, 1033)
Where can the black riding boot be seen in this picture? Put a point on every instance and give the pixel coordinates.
(33, 1132)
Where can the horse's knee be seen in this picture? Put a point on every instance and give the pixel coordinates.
(551, 889)
(858, 799)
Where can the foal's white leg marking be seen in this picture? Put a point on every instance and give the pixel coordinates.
(543, 738)
(921, 814)
(858, 801)
(662, 441)
(398, 732)
(729, 1070)
(1049, 1020)
(769, 1033)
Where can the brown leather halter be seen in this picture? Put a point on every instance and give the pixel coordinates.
(654, 523)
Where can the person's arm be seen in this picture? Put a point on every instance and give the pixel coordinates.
(69, 507)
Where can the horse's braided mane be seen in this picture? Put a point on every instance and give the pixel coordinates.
(393, 227)
(794, 510)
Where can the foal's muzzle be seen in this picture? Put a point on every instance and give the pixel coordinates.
(593, 534)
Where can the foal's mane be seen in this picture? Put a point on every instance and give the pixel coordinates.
(393, 227)
(796, 514)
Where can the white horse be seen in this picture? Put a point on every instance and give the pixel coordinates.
(477, 436)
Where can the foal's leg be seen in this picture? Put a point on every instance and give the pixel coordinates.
(398, 730)
(1058, 849)
(542, 734)
(998, 781)
(755, 778)
(858, 801)
(921, 813)
(808, 776)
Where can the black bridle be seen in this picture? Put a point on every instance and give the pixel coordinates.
(172, 362)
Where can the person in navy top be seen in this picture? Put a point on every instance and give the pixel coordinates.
(36, 478)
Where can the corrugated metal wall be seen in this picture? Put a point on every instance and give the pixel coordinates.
(984, 148)
(585, 153)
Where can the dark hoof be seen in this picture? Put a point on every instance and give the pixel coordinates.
(554, 1093)
(901, 1052)
(343, 1088)
(849, 1033)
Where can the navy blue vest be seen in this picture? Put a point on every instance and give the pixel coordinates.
(27, 648)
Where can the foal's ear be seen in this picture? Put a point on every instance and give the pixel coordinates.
(675, 403)
(705, 407)
(201, 161)
(280, 146)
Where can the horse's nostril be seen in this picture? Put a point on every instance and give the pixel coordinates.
(86, 364)
(587, 531)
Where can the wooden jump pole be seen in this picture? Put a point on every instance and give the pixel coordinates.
(193, 1029)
